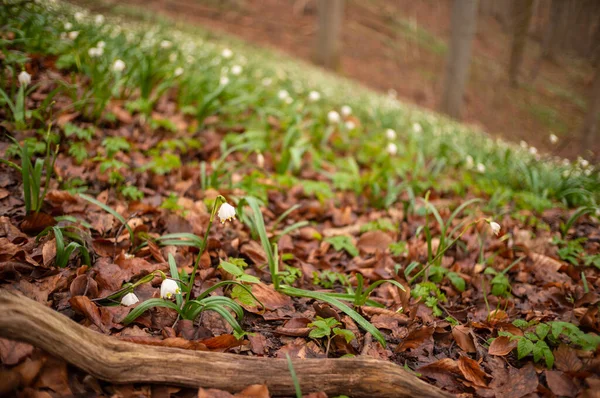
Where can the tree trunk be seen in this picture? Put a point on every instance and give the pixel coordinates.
(522, 10)
(331, 14)
(115, 361)
(552, 30)
(464, 21)
(590, 123)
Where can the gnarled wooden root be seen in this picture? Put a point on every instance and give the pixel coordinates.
(121, 362)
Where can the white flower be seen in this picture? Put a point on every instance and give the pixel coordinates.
(24, 78)
(523, 144)
(314, 96)
(226, 212)
(73, 35)
(392, 149)
(283, 94)
(267, 81)
(165, 44)
(260, 160)
(101, 44)
(78, 16)
(68, 26)
(469, 161)
(553, 138)
(227, 53)
(169, 288)
(236, 70)
(583, 162)
(173, 57)
(495, 227)
(533, 150)
(346, 110)
(333, 117)
(224, 81)
(178, 71)
(289, 100)
(417, 127)
(95, 52)
(390, 134)
(350, 125)
(119, 66)
(480, 168)
(99, 19)
(129, 299)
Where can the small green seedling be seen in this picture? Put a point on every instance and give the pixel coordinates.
(324, 327)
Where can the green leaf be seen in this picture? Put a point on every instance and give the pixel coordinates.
(347, 334)
(457, 281)
(520, 323)
(362, 322)
(343, 242)
(542, 330)
(146, 305)
(242, 295)
(524, 348)
(231, 268)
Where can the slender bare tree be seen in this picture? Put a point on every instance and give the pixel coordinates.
(591, 121)
(522, 11)
(331, 14)
(464, 22)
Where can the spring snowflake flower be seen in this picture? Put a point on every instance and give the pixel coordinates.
(533, 151)
(392, 148)
(495, 227)
(78, 16)
(227, 53)
(417, 128)
(101, 44)
(350, 125)
(24, 78)
(283, 94)
(68, 26)
(169, 288)
(95, 52)
(165, 44)
(553, 139)
(480, 168)
(583, 162)
(119, 66)
(267, 81)
(523, 144)
(73, 35)
(346, 111)
(226, 212)
(314, 96)
(129, 299)
(224, 81)
(469, 161)
(333, 117)
(178, 71)
(260, 160)
(236, 70)
(99, 19)
(390, 134)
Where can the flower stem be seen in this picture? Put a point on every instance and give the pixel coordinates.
(218, 201)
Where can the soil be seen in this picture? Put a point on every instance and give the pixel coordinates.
(399, 47)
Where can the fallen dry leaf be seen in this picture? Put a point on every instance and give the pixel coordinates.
(502, 346)
(471, 370)
(463, 336)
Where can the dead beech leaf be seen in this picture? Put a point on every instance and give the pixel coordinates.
(270, 298)
(373, 241)
(174, 342)
(502, 346)
(12, 352)
(35, 223)
(222, 342)
(566, 359)
(560, 384)
(49, 252)
(463, 336)
(520, 382)
(472, 371)
(58, 197)
(415, 338)
(83, 285)
(545, 262)
(86, 307)
(254, 391)
(446, 365)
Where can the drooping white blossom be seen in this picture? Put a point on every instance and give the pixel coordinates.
(129, 299)
(333, 117)
(495, 227)
(314, 96)
(390, 134)
(169, 288)
(236, 70)
(346, 111)
(392, 148)
(553, 139)
(24, 78)
(227, 53)
(226, 212)
(118, 66)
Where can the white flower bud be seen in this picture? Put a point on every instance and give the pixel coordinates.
(346, 111)
(129, 299)
(119, 66)
(169, 288)
(390, 134)
(24, 78)
(495, 227)
(333, 117)
(314, 96)
(392, 148)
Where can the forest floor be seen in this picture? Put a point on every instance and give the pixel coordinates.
(400, 47)
(355, 226)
